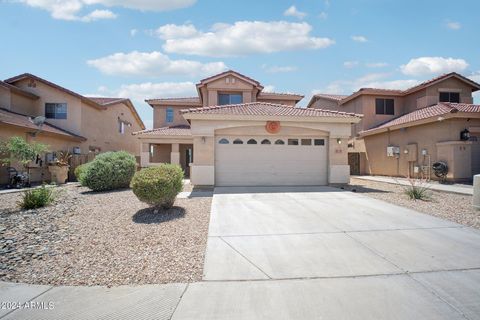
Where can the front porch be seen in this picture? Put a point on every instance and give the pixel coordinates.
(176, 153)
(167, 145)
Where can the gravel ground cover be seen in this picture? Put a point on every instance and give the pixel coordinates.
(108, 238)
(454, 207)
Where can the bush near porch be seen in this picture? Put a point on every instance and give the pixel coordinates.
(158, 186)
(109, 171)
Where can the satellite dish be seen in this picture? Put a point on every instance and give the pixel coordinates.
(38, 121)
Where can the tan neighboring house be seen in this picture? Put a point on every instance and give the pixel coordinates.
(403, 132)
(74, 123)
(234, 134)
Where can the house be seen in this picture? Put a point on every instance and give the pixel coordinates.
(72, 122)
(234, 134)
(404, 132)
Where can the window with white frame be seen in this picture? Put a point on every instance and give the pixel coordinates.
(449, 97)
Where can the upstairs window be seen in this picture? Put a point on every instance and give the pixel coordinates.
(384, 106)
(449, 97)
(169, 115)
(229, 98)
(121, 127)
(56, 110)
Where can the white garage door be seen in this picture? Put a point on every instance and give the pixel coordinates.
(267, 161)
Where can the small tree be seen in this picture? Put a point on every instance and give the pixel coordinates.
(18, 149)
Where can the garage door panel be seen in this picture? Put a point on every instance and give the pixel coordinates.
(257, 164)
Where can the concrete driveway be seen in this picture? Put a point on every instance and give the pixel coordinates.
(321, 253)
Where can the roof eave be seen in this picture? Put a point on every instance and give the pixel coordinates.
(336, 119)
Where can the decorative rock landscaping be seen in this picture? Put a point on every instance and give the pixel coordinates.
(109, 238)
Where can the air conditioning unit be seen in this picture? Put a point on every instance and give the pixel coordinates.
(76, 150)
(393, 151)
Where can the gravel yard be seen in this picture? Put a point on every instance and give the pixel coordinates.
(108, 238)
(454, 207)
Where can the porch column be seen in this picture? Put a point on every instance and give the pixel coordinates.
(175, 154)
(145, 155)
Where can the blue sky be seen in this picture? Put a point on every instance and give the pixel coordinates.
(161, 48)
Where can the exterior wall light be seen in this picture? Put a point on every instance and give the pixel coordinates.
(339, 141)
(204, 139)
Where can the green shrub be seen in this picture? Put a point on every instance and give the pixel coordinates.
(158, 186)
(80, 171)
(109, 171)
(417, 190)
(37, 198)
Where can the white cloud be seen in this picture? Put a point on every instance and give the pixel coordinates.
(371, 80)
(269, 88)
(148, 90)
(279, 69)
(72, 9)
(359, 38)
(350, 64)
(433, 65)
(475, 76)
(376, 64)
(153, 64)
(240, 38)
(323, 15)
(98, 15)
(452, 25)
(133, 32)
(293, 12)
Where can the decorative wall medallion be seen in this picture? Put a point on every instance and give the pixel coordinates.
(272, 126)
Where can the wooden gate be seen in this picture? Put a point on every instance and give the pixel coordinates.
(76, 160)
(354, 163)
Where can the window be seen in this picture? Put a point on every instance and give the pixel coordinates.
(319, 142)
(223, 141)
(279, 141)
(229, 98)
(237, 141)
(252, 141)
(293, 142)
(121, 126)
(56, 110)
(169, 115)
(449, 97)
(384, 106)
(266, 141)
(306, 142)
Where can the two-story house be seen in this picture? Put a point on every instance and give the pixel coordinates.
(233, 133)
(65, 120)
(403, 132)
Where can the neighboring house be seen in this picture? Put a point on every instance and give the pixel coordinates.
(403, 132)
(73, 122)
(233, 133)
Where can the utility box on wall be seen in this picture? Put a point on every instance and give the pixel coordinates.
(412, 152)
(393, 151)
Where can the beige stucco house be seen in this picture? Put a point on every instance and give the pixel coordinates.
(234, 134)
(74, 123)
(403, 132)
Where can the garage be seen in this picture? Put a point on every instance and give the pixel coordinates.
(270, 161)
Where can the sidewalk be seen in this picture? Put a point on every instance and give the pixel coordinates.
(433, 185)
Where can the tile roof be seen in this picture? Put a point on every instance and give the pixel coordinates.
(227, 72)
(267, 109)
(104, 100)
(24, 121)
(178, 130)
(440, 77)
(436, 110)
(179, 100)
(336, 97)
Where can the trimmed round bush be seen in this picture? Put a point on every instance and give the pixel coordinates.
(80, 171)
(109, 171)
(158, 186)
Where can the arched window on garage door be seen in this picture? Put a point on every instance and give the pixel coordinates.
(266, 141)
(237, 141)
(252, 141)
(279, 141)
(223, 141)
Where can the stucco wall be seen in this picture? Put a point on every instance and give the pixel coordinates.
(322, 103)
(5, 98)
(159, 116)
(425, 136)
(23, 105)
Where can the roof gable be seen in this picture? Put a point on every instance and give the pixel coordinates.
(236, 74)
